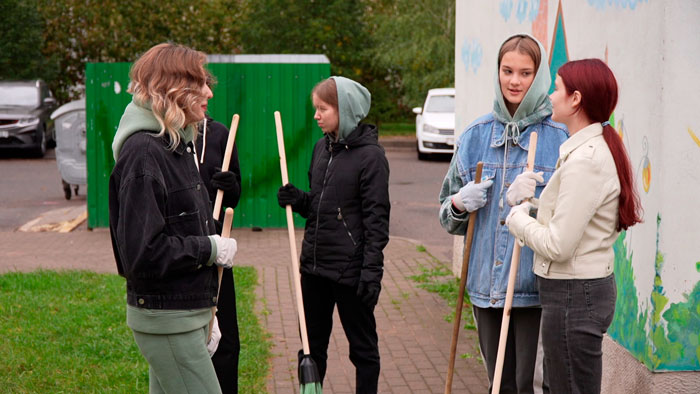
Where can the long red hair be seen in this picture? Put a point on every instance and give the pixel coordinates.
(598, 87)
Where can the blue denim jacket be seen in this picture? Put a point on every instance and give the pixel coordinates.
(492, 246)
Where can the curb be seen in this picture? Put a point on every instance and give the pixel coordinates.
(398, 141)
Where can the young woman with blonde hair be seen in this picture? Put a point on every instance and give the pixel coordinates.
(161, 223)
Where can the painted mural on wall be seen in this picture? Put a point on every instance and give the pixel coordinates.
(663, 336)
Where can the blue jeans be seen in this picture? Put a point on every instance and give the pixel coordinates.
(575, 315)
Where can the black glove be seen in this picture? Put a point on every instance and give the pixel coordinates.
(290, 195)
(219, 225)
(225, 181)
(368, 292)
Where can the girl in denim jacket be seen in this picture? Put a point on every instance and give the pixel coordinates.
(501, 140)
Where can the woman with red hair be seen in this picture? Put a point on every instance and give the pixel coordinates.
(588, 201)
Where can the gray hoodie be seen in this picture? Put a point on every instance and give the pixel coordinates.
(139, 117)
(354, 101)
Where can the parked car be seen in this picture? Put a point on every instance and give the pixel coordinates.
(435, 123)
(25, 109)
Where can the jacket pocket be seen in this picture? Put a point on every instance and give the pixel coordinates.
(345, 225)
(183, 224)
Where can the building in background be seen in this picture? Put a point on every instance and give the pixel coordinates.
(653, 47)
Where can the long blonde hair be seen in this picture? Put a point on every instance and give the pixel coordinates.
(169, 78)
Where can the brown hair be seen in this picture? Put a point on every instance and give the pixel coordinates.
(327, 91)
(523, 44)
(170, 77)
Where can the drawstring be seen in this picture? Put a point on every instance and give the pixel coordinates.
(204, 141)
(511, 131)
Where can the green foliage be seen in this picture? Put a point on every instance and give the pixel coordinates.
(65, 332)
(398, 49)
(81, 31)
(415, 42)
(20, 47)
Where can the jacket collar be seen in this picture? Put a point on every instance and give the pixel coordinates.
(579, 138)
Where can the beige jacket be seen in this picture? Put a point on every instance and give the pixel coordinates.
(578, 212)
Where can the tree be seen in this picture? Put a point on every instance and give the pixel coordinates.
(415, 44)
(82, 31)
(20, 48)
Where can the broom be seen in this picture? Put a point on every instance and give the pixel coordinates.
(462, 284)
(226, 231)
(309, 378)
(507, 308)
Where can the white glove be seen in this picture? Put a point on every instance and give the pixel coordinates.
(472, 196)
(226, 248)
(215, 338)
(524, 208)
(523, 187)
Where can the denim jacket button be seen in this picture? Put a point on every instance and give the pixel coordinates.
(141, 301)
(503, 222)
(189, 150)
(498, 263)
(493, 301)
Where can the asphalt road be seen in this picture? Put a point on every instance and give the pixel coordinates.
(30, 187)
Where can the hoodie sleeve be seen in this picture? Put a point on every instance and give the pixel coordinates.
(374, 191)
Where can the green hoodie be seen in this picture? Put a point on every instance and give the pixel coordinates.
(535, 105)
(139, 117)
(354, 101)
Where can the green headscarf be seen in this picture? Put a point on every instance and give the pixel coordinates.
(535, 105)
(354, 101)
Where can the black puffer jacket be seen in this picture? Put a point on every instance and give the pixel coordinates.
(347, 209)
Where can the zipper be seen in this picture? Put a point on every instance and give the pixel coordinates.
(340, 217)
(320, 199)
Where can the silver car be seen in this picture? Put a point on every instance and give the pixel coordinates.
(25, 123)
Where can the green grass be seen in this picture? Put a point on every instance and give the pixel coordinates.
(439, 279)
(65, 332)
(386, 129)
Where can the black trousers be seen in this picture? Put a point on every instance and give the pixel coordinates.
(520, 366)
(226, 357)
(320, 298)
(575, 315)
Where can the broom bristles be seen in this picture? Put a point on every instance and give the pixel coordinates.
(309, 378)
(310, 388)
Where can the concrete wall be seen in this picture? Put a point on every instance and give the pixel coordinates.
(653, 47)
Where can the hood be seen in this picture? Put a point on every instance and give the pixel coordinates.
(535, 105)
(139, 117)
(354, 101)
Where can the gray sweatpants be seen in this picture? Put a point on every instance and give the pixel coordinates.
(522, 367)
(178, 363)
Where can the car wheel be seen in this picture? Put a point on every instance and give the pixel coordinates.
(40, 149)
(421, 155)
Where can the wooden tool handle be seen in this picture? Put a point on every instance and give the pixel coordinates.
(227, 161)
(225, 233)
(292, 238)
(512, 275)
(456, 327)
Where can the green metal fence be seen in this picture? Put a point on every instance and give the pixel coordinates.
(253, 86)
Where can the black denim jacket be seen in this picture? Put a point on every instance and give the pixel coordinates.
(160, 217)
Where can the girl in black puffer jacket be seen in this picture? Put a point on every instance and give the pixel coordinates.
(347, 227)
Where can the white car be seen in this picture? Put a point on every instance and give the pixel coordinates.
(435, 123)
